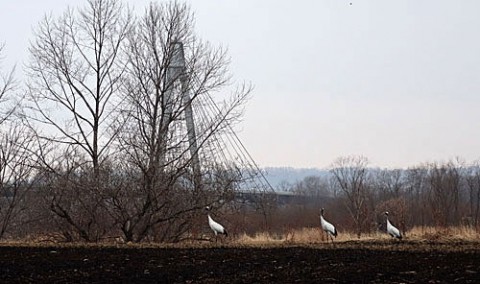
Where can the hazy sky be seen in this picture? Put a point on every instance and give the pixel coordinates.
(397, 81)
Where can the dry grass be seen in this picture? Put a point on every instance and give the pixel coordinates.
(259, 239)
(317, 236)
(462, 239)
(440, 237)
(444, 234)
(303, 236)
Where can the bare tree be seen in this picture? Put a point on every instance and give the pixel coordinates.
(389, 183)
(16, 172)
(74, 82)
(350, 175)
(416, 188)
(314, 186)
(444, 192)
(171, 74)
(18, 177)
(7, 87)
(75, 75)
(473, 185)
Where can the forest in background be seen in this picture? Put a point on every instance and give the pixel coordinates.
(355, 196)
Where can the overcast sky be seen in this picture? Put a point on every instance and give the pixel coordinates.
(397, 81)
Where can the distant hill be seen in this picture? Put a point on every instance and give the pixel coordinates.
(277, 175)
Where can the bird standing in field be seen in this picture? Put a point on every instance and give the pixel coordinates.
(327, 227)
(216, 227)
(392, 230)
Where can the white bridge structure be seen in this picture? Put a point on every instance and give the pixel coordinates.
(224, 147)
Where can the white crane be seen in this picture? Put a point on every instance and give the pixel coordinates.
(216, 227)
(392, 230)
(327, 227)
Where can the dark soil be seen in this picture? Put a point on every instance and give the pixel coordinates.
(307, 264)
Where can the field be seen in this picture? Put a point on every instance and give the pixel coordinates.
(366, 261)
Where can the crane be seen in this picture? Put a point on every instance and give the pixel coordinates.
(327, 226)
(392, 230)
(216, 227)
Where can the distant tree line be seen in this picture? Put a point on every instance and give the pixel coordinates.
(356, 195)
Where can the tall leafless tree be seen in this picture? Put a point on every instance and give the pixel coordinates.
(74, 84)
(75, 75)
(161, 93)
(444, 194)
(350, 175)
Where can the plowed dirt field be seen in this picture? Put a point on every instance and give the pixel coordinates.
(345, 263)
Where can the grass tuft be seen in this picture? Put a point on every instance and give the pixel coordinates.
(262, 238)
